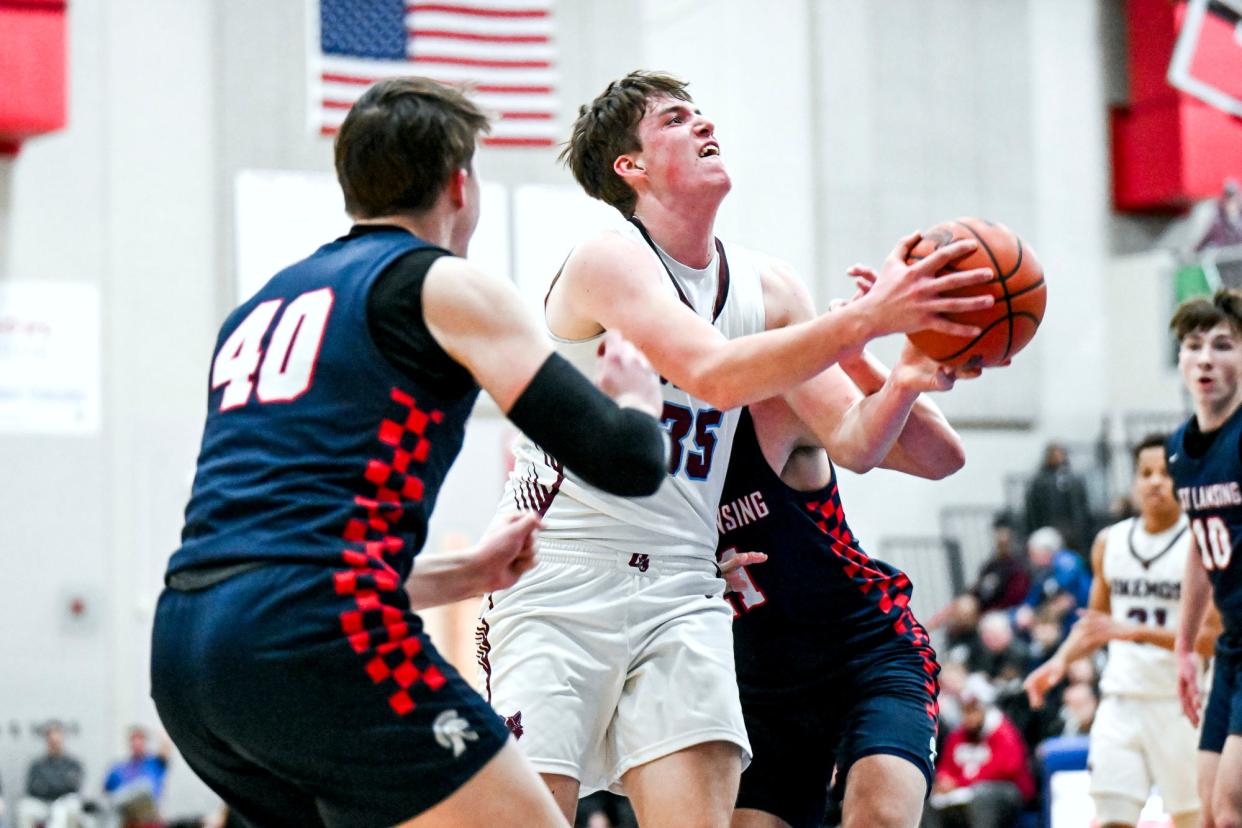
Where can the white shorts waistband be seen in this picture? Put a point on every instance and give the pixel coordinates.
(637, 563)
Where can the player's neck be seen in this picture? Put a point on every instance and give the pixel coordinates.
(1160, 520)
(432, 227)
(685, 234)
(1211, 418)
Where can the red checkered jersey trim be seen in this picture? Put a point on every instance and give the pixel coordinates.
(890, 593)
(377, 630)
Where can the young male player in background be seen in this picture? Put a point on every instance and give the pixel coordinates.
(1205, 459)
(288, 664)
(833, 668)
(615, 653)
(1139, 736)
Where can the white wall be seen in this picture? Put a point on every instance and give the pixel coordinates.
(122, 199)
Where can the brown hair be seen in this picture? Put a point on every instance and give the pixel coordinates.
(1201, 314)
(608, 128)
(400, 143)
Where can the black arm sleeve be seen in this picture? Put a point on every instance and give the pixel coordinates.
(620, 450)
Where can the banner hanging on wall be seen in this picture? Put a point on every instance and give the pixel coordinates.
(49, 358)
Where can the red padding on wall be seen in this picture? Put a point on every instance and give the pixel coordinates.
(32, 68)
(1171, 151)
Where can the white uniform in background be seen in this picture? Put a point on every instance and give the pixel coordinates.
(616, 648)
(1140, 736)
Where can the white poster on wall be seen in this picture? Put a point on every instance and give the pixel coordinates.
(49, 358)
(283, 216)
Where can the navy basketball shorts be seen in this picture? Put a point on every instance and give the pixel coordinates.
(870, 706)
(307, 696)
(1222, 715)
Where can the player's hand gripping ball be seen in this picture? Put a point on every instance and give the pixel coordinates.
(1018, 286)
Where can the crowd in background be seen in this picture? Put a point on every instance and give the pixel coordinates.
(55, 794)
(1019, 609)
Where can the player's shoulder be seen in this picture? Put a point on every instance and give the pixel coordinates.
(611, 253)
(456, 291)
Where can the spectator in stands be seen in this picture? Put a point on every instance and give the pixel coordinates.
(1057, 497)
(983, 779)
(1004, 579)
(1001, 655)
(960, 620)
(53, 783)
(1061, 582)
(1226, 227)
(134, 784)
(1078, 705)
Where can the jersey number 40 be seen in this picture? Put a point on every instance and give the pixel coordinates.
(286, 369)
(1212, 538)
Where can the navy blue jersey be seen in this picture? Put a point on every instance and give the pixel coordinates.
(316, 447)
(819, 601)
(1207, 473)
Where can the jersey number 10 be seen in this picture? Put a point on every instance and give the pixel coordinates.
(1212, 538)
(285, 371)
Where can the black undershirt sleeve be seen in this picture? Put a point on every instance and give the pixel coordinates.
(620, 450)
(395, 321)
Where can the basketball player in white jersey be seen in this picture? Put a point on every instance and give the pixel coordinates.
(613, 659)
(1140, 736)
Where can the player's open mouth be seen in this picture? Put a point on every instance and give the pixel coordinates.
(709, 150)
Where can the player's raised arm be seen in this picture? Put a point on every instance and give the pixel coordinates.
(480, 322)
(613, 283)
(864, 415)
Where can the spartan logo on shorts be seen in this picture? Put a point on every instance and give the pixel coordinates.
(931, 754)
(452, 732)
(640, 562)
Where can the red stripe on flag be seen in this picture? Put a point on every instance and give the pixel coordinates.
(333, 104)
(518, 89)
(491, 64)
(519, 142)
(514, 88)
(477, 12)
(332, 77)
(526, 116)
(486, 38)
(326, 129)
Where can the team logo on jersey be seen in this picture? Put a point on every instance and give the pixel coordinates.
(452, 732)
(640, 562)
(514, 723)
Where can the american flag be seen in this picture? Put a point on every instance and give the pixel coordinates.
(504, 49)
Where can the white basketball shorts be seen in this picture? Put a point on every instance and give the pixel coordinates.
(1138, 742)
(601, 661)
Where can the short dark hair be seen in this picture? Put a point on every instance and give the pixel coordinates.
(608, 128)
(1150, 441)
(400, 143)
(1202, 314)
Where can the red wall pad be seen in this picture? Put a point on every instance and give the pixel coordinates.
(32, 69)
(1169, 149)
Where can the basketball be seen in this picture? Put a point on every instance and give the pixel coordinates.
(1018, 286)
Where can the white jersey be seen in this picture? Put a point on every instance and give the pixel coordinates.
(1144, 575)
(680, 518)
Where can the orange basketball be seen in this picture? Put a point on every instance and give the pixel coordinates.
(1018, 286)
